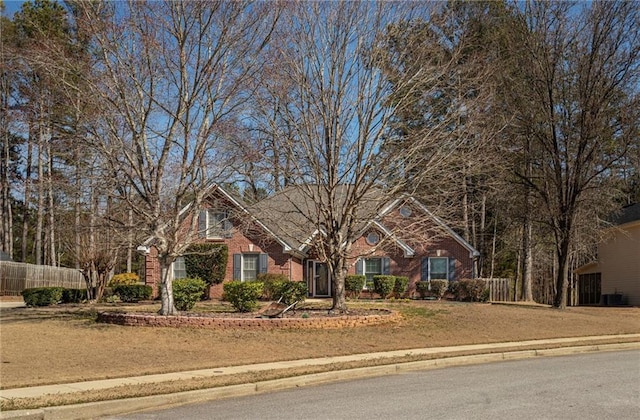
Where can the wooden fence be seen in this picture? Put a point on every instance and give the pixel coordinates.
(500, 290)
(15, 277)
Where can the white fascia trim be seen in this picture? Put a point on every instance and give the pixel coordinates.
(473, 253)
(285, 246)
(408, 251)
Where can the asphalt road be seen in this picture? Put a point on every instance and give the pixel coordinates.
(592, 386)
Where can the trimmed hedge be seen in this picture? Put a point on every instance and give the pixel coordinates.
(124, 279)
(207, 262)
(243, 295)
(133, 292)
(353, 285)
(422, 287)
(383, 285)
(187, 292)
(469, 290)
(439, 288)
(272, 285)
(400, 286)
(42, 296)
(74, 295)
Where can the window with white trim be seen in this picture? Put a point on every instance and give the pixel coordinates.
(179, 268)
(246, 267)
(370, 267)
(438, 268)
(249, 267)
(214, 224)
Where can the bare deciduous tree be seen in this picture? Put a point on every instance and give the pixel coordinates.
(171, 75)
(578, 106)
(338, 113)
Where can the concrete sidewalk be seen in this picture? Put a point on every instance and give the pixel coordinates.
(438, 357)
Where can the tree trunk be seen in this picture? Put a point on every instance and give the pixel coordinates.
(527, 260)
(166, 289)
(562, 275)
(41, 192)
(50, 205)
(338, 274)
(27, 198)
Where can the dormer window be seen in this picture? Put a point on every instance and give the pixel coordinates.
(373, 238)
(405, 211)
(214, 224)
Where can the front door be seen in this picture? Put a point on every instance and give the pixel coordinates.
(318, 279)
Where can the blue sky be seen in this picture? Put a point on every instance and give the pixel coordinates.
(12, 6)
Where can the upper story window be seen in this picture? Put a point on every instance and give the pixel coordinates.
(214, 224)
(405, 211)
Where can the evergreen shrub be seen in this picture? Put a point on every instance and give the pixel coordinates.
(187, 292)
(42, 296)
(400, 286)
(354, 284)
(243, 295)
(383, 285)
(124, 279)
(133, 292)
(74, 295)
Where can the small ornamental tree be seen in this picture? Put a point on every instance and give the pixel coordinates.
(207, 262)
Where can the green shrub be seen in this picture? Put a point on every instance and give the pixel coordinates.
(383, 285)
(207, 262)
(133, 292)
(187, 292)
(469, 290)
(124, 279)
(42, 296)
(243, 295)
(293, 291)
(400, 286)
(272, 285)
(422, 288)
(439, 288)
(353, 285)
(74, 295)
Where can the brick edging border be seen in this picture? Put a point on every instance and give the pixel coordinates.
(332, 322)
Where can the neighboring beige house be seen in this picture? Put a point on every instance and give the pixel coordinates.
(616, 273)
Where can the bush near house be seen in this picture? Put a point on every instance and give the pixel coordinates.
(353, 285)
(74, 295)
(42, 296)
(439, 288)
(124, 279)
(187, 292)
(207, 262)
(383, 285)
(133, 292)
(243, 295)
(469, 290)
(400, 286)
(422, 287)
(272, 285)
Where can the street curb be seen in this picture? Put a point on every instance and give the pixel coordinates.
(124, 406)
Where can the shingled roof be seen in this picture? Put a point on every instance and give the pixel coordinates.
(628, 214)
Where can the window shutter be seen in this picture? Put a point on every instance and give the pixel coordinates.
(263, 263)
(452, 269)
(202, 224)
(386, 266)
(360, 267)
(424, 269)
(237, 266)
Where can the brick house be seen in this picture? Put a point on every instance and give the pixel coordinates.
(405, 239)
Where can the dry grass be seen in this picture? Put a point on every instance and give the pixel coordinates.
(45, 346)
